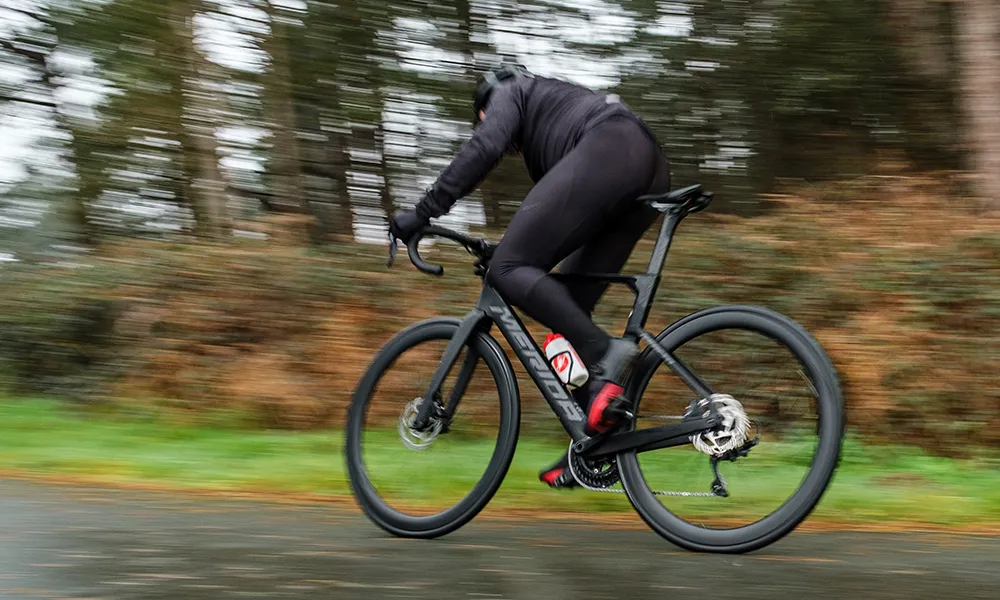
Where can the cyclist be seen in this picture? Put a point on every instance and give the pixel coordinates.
(590, 157)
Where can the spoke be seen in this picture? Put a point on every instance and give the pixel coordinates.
(812, 388)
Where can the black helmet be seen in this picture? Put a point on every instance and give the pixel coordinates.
(490, 79)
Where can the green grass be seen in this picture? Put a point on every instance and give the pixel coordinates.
(873, 484)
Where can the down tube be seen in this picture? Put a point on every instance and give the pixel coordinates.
(569, 412)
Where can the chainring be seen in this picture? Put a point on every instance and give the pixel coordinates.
(597, 474)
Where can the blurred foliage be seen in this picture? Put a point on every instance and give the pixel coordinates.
(138, 119)
(910, 315)
(189, 190)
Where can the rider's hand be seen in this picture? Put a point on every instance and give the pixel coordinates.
(404, 224)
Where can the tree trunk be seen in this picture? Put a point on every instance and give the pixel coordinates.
(920, 38)
(204, 186)
(339, 161)
(479, 54)
(88, 184)
(492, 206)
(932, 124)
(979, 52)
(386, 196)
(285, 159)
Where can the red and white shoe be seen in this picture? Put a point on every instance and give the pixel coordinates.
(608, 406)
(558, 475)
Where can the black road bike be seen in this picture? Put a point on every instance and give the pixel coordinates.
(714, 429)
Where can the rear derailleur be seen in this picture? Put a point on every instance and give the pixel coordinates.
(719, 484)
(730, 441)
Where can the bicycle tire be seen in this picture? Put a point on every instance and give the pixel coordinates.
(830, 409)
(450, 519)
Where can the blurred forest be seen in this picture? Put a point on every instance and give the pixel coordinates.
(193, 192)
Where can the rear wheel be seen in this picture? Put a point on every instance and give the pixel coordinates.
(784, 384)
(430, 483)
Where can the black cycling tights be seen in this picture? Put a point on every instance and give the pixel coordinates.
(583, 211)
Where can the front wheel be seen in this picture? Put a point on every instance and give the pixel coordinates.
(429, 483)
(784, 384)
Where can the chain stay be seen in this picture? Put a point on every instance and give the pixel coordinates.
(615, 490)
(718, 485)
(655, 492)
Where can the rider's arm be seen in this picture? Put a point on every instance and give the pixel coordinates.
(478, 155)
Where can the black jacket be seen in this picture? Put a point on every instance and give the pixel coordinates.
(540, 117)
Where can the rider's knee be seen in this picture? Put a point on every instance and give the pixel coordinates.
(498, 275)
(502, 273)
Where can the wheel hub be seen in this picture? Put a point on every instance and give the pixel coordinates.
(413, 439)
(732, 433)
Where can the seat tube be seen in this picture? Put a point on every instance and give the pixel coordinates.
(647, 284)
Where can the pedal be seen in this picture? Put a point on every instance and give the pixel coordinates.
(618, 412)
(619, 407)
(564, 480)
(608, 410)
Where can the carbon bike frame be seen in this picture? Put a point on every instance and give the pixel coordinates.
(491, 309)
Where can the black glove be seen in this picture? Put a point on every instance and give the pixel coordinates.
(404, 224)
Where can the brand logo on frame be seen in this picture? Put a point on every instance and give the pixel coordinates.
(537, 364)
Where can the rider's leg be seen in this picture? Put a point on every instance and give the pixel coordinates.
(570, 207)
(607, 253)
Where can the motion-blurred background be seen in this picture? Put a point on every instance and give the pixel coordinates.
(193, 196)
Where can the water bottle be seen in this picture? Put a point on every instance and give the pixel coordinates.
(564, 359)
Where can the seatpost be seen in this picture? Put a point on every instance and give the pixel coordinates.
(671, 219)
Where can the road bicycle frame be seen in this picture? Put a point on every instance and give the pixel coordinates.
(491, 309)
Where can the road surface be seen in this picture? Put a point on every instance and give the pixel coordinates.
(80, 542)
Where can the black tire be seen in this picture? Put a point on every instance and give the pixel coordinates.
(450, 519)
(830, 430)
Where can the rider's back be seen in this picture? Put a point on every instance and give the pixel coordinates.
(555, 115)
(544, 119)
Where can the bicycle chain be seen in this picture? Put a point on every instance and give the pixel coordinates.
(610, 490)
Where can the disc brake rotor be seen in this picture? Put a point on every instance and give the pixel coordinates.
(732, 433)
(411, 438)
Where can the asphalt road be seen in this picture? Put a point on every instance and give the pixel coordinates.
(80, 542)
